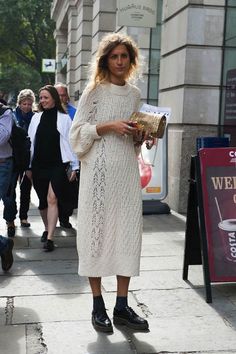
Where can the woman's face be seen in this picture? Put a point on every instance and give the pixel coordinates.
(26, 105)
(46, 99)
(118, 64)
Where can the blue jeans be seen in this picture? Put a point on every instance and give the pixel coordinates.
(5, 176)
(9, 200)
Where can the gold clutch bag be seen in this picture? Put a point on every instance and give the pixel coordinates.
(154, 124)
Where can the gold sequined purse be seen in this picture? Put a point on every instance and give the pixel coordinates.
(154, 124)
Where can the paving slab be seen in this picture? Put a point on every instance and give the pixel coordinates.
(161, 250)
(164, 279)
(38, 254)
(43, 284)
(59, 241)
(25, 268)
(79, 337)
(34, 339)
(2, 311)
(160, 237)
(60, 308)
(183, 302)
(187, 334)
(12, 340)
(161, 263)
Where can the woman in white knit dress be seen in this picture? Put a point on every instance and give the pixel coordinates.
(110, 205)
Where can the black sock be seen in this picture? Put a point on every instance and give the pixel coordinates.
(121, 302)
(98, 304)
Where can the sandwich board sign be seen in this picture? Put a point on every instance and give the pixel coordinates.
(210, 237)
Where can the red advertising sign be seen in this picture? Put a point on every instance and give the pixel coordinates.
(218, 177)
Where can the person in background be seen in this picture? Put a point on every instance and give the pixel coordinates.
(6, 168)
(51, 156)
(109, 228)
(23, 114)
(70, 109)
(65, 99)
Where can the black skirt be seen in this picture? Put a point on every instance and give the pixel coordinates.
(65, 191)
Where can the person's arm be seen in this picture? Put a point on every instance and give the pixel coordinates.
(85, 130)
(120, 127)
(6, 122)
(31, 133)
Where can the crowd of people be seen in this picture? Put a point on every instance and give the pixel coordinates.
(35, 120)
(100, 136)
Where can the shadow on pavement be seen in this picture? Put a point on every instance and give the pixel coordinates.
(105, 345)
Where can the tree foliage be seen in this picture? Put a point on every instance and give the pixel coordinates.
(26, 37)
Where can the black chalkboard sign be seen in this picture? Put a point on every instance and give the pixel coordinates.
(212, 209)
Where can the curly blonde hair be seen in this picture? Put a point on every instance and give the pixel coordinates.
(99, 70)
(25, 94)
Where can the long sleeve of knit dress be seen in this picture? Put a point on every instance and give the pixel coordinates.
(110, 204)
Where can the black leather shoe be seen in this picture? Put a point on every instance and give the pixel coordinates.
(24, 223)
(128, 317)
(66, 224)
(101, 322)
(11, 230)
(48, 246)
(44, 236)
(7, 256)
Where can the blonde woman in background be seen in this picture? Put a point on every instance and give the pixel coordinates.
(23, 115)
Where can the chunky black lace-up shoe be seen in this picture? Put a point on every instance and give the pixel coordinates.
(101, 322)
(128, 317)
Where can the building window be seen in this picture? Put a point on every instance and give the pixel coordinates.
(154, 59)
(228, 84)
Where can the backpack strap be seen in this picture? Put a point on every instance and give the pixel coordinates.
(3, 108)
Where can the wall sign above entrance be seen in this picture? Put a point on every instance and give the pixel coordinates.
(137, 13)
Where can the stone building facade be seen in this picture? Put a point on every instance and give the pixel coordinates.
(184, 67)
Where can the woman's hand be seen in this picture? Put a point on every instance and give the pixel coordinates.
(122, 127)
(119, 127)
(140, 136)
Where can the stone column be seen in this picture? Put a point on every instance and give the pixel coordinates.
(61, 47)
(79, 46)
(190, 74)
(104, 20)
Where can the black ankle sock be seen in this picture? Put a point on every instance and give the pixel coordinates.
(98, 304)
(121, 302)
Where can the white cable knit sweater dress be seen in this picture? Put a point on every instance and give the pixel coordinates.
(110, 203)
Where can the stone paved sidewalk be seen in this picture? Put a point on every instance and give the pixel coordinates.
(45, 306)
